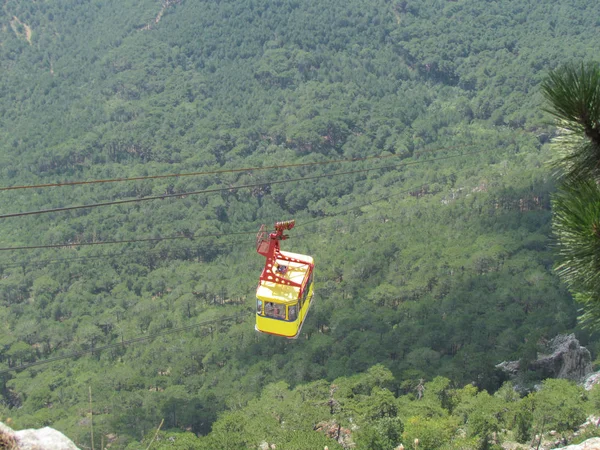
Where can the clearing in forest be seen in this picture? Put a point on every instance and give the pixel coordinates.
(26, 29)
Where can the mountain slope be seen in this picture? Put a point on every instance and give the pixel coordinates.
(427, 265)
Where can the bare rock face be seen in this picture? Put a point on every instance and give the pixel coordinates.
(42, 439)
(568, 359)
(590, 444)
(7, 439)
(591, 381)
(565, 358)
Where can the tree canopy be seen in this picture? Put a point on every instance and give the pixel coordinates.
(433, 257)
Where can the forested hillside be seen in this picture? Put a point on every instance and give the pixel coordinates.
(428, 214)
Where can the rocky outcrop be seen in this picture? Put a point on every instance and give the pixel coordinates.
(563, 358)
(42, 439)
(335, 431)
(591, 381)
(590, 444)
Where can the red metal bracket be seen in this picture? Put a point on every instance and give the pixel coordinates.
(269, 248)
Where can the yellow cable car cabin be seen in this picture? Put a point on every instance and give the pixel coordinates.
(285, 289)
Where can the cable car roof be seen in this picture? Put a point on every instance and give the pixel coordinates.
(296, 272)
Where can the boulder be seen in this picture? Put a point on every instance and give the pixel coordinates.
(562, 358)
(7, 438)
(42, 439)
(591, 381)
(590, 444)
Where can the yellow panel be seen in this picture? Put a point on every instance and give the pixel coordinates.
(275, 326)
(269, 291)
(282, 327)
(296, 272)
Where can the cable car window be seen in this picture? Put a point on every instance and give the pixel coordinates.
(307, 288)
(292, 312)
(275, 310)
(258, 306)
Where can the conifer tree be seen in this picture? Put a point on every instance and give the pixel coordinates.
(573, 93)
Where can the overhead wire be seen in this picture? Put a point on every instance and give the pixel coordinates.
(223, 171)
(229, 188)
(125, 241)
(217, 235)
(188, 237)
(127, 342)
(44, 262)
(142, 339)
(356, 207)
(370, 202)
(124, 343)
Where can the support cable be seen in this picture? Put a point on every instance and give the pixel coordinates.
(222, 171)
(124, 343)
(230, 189)
(125, 241)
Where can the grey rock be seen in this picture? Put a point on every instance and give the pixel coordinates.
(509, 367)
(591, 381)
(563, 358)
(590, 444)
(5, 430)
(42, 439)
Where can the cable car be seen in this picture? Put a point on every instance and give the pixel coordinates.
(285, 290)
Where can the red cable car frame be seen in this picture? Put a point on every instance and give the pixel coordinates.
(286, 285)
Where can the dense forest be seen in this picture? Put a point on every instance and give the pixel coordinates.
(420, 186)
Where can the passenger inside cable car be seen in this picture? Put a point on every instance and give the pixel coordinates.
(285, 289)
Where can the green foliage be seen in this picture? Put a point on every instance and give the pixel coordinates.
(559, 406)
(428, 265)
(479, 420)
(485, 419)
(382, 434)
(576, 212)
(432, 433)
(573, 93)
(594, 397)
(169, 441)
